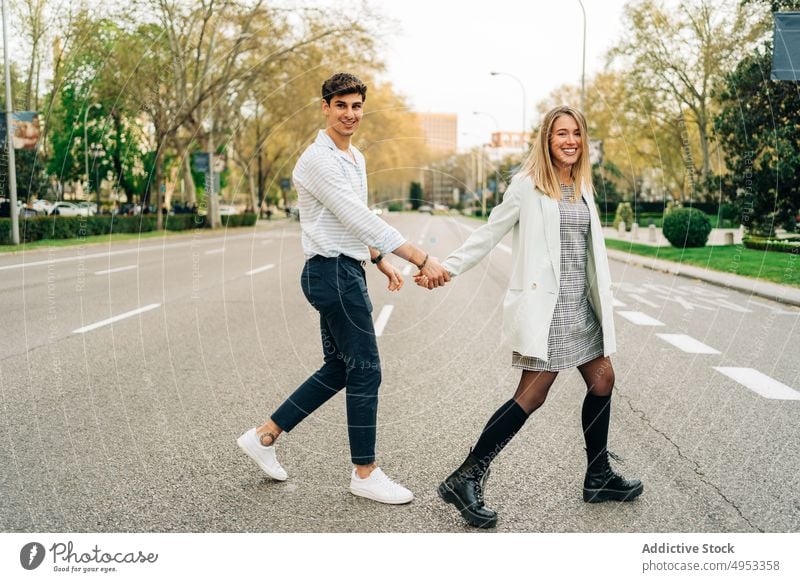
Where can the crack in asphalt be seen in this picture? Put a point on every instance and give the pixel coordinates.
(694, 464)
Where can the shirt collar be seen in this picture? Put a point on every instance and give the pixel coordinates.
(324, 139)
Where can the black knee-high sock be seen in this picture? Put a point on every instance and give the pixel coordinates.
(499, 431)
(595, 417)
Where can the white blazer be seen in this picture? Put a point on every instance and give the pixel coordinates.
(536, 265)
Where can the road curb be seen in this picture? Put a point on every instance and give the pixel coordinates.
(767, 290)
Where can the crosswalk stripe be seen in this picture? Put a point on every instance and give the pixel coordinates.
(639, 318)
(760, 383)
(641, 299)
(687, 343)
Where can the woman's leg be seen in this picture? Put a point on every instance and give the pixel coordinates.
(464, 487)
(596, 412)
(508, 419)
(601, 482)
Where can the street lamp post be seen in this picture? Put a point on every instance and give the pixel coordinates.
(524, 104)
(86, 141)
(583, 62)
(496, 173)
(12, 168)
(97, 152)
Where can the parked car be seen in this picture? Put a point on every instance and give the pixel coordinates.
(69, 209)
(425, 208)
(42, 206)
(377, 210)
(227, 210)
(90, 205)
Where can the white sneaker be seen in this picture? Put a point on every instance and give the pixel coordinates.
(379, 487)
(264, 456)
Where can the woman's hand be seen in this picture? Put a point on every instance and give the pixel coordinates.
(394, 276)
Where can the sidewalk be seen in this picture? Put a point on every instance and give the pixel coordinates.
(643, 237)
(765, 289)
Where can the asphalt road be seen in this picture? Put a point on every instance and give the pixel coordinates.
(131, 425)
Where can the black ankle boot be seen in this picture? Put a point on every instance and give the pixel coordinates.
(464, 489)
(603, 483)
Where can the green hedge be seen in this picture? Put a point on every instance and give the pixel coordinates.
(686, 227)
(66, 227)
(766, 244)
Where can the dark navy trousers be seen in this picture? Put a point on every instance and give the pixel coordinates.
(337, 288)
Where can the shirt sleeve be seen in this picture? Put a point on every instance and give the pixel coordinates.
(502, 219)
(326, 182)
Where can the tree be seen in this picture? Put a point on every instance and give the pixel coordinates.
(758, 130)
(677, 55)
(416, 196)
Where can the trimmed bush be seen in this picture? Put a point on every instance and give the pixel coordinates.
(624, 212)
(766, 244)
(66, 227)
(686, 227)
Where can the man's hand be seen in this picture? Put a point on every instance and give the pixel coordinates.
(394, 276)
(432, 275)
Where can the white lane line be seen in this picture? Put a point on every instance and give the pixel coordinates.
(687, 343)
(641, 299)
(116, 318)
(760, 383)
(117, 270)
(259, 270)
(639, 318)
(616, 302)
(215, 251)
(137, 250)
(407, 269)
(383, 319)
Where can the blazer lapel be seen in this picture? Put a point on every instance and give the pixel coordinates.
(552, 231)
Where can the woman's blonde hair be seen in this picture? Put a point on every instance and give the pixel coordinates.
(539, 163)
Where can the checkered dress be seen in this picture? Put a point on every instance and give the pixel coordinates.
(575, 334)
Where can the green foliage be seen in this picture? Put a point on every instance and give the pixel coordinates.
(624, 213)
(75, 227)
(766, 244)
(31, 179)
(416, 195)
(606, 188)
(760, 137)
(687, 227)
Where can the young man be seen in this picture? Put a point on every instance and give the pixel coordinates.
(339, 234)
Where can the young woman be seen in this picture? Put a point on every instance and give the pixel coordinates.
(557, 311)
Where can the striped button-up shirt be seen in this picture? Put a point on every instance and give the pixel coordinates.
(332, 192)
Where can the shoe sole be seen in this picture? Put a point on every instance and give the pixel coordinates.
(365, 495)
(448, 496)
(600, 495)
(242, 445)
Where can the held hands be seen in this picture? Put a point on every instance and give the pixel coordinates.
(394, 276)
(432, 275)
